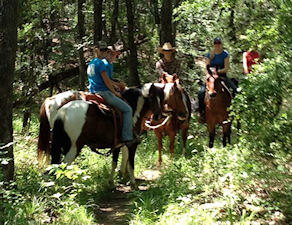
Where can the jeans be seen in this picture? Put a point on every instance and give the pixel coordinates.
(111, 99)
(230, 84)
(201, 94)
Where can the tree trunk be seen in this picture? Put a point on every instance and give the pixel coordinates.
(155, 11)
(166, 34)
(81, 34)
(232, 32)
(115, 15)
(8, 43)
(97, 23)
(132, 58)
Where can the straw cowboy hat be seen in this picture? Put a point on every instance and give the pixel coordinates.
(166, 47)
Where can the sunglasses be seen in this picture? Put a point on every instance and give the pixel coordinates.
(217, 43)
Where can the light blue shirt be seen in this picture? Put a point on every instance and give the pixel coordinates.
(94, 70)
(109, 68)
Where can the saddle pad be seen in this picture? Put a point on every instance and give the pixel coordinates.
(100, 102)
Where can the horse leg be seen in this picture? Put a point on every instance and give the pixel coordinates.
(125, 159)
(184, 137)
(60, 140)
(171, 143)
(116, 153)
(131, 165)
(159, 141)
(71, 154)
(226, 133)
(211, 129)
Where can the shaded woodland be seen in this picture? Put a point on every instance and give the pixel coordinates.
(45, 47)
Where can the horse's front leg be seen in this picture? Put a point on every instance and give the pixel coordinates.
(226, 133)
(211, 130)
(116, 153)
(159, 141)
(171, 143)
(131, 165)
(125, 159)
(184, 138)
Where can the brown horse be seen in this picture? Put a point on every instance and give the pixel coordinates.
(217, 100)
(179, 116)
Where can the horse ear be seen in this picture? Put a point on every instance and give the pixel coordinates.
(163, 77)
(209, 70)
(175, 79)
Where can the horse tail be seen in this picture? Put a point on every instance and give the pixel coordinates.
(44, 135)
(60, 140)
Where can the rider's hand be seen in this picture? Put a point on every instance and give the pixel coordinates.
(118, 94)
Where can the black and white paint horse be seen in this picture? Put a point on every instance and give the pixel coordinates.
(80, 123)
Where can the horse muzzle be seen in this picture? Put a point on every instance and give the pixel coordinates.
(212, 94)
(157, 116)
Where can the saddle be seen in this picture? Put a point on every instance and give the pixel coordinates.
(101, 103)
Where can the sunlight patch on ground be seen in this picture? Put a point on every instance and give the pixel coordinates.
(150, 175)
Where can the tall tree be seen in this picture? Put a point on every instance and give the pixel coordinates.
(8, 42)
(155, 11)
(97, 23)
(115, 15)
(166, 34)
(132, 58)
(81, 34)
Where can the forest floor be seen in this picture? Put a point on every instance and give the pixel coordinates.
(114, 210)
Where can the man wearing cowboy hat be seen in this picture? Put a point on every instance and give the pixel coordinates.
(168, 64)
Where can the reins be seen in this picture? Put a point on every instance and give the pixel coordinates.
(107, 154)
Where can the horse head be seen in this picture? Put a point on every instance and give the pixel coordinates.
(211, 81)
(155, 95)
(176, 100)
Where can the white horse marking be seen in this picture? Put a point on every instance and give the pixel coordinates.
(139, 107)
(73, 115)
(52, 104)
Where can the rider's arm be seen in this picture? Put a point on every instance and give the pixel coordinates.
(108, 83)
(244, 62)
(226, 66)
(159, 68)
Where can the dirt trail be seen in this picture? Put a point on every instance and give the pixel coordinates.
(115, 209)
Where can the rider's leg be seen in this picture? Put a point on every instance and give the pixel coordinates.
(230, 84)
(111, 99)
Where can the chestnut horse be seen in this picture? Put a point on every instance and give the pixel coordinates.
(217, 100)
(180, 115)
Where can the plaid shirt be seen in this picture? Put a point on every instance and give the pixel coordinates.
(169, 67)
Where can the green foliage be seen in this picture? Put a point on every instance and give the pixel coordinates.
(249, 182)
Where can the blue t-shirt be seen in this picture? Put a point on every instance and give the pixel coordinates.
(218, 59)
(109, 68)
(94, 70)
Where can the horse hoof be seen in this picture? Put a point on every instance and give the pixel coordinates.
(158, 164)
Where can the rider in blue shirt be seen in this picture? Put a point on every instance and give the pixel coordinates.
(220, 58)
(100, 74)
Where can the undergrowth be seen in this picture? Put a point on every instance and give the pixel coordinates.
(232, 185)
